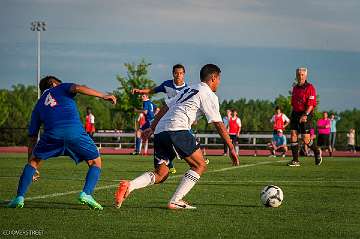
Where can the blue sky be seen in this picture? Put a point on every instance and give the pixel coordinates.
(258, 44)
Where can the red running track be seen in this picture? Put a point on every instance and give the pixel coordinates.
(245, 152)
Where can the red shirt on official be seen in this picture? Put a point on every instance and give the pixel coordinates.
(303, 96)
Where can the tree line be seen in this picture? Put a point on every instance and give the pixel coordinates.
(16, 105)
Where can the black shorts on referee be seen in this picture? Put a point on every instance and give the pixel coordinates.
(302, 128)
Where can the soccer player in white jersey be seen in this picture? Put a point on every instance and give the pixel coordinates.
(170, 87)
(172, 136)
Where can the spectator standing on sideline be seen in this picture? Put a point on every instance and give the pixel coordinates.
(234, 130)
(351, 140)
(226, 123)
(333, 120)
(89, 122)
(323, 126)
(279, 120)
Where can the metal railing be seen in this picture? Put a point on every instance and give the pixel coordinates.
(120, 139)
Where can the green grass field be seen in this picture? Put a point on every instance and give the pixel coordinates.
(319, 202)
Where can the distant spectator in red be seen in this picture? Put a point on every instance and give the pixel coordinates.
(89, 122)
(235, 129)
(323, 126)
(279, 120)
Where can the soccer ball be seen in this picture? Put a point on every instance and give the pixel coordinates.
(272, 196)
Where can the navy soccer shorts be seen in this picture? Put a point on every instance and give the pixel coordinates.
(169, 143)
(79, 147)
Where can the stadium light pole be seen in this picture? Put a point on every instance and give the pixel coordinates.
(38, 26)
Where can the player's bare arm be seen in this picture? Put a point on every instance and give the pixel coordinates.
(220, 127)
(140, 111)
(148, 132)
(91, 92)
(303, 118)
(286, 124)
(238, 133)
(142, 91)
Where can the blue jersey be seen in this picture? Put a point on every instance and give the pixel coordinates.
(150, 107)
(57, 110)
(169, 88)
(279, 140)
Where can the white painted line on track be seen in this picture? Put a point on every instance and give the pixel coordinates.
(176, 176)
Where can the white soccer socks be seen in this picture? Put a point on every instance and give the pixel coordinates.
(188, 181)
(142, 181)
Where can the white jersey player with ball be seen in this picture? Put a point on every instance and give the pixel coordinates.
(172, 136)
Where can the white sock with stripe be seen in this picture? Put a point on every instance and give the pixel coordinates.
(188, 181)
(142, 181)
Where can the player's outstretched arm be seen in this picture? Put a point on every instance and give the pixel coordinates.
(89, 91)
(148, 132)
(142, 91)
(220, 127)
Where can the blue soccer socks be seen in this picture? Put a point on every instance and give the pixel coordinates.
(25, 179)
(92, 177)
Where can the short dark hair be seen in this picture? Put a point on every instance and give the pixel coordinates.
(277, 108)
(208, 70)
(46, 83)
(178, 66)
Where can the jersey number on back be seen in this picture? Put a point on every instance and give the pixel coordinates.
(50, 101)
(189, 93)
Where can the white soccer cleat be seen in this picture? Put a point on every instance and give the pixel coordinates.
(180, 205)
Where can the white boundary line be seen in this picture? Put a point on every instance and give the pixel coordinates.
(172, 177)
(278, 181)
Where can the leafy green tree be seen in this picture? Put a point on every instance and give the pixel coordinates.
(4, 106)
(20, 102)
(284, 102)
(137, 77)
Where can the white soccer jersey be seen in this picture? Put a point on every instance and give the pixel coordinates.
(188, 106)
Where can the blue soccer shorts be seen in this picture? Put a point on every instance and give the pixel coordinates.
(79, 147)
(168, 144)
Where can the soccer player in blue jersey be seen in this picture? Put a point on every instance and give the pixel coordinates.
(149, 110)
(63, 134)
(170, 88)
